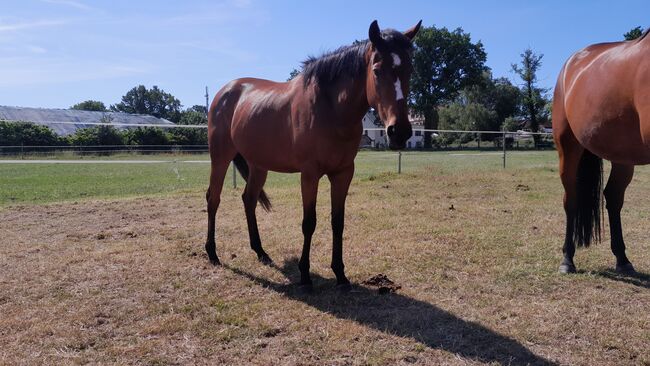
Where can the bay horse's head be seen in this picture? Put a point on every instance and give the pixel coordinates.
(388, 75)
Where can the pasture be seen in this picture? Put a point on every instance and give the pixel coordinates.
(104, 263)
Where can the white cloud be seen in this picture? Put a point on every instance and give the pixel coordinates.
(71, 3)
(17, 71)
(36, 49)
(30, 25)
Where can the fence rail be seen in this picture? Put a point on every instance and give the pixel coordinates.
(468, 140)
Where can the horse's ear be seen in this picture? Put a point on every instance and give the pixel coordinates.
(374, 34)
(410, 34)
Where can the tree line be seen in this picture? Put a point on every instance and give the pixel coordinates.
(138, 100)
(453, 89)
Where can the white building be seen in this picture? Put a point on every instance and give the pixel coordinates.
(374, 135)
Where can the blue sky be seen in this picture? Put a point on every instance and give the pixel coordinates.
(55, 53)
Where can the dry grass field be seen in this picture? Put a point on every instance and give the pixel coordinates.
(475, 249)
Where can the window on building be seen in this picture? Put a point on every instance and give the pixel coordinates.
(418, 133)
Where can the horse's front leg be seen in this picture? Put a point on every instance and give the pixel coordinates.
(340, 183)
(309, 188)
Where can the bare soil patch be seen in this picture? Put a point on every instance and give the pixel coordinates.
(127, 281)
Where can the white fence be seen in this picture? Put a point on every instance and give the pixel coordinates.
(500, 140)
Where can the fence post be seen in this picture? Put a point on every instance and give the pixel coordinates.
(22, 150)
(234, 175)
(504, 148)
(399, 162)
(479, 141)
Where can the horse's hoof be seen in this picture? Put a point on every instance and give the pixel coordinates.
(625, 269)
(212, 253)
(344, 287)
(265, 259)
(567, 268)
(305, 289)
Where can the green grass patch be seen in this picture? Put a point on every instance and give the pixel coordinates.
(45, 183)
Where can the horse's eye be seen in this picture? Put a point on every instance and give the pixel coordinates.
(377, 72)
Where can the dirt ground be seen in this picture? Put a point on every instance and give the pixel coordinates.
(473, 257)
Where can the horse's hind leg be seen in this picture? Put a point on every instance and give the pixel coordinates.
(570, 152)
(213, 197)
(254, 185)
(619, 178)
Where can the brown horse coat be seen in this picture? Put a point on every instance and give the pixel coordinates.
(601, 109)
(312, 125)
(604, 94)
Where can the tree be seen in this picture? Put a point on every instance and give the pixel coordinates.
(190, 136)
(633, 34)
(293, 74)
(496, 95)
(27, 134)
(533, 99)
(472, 116)
(146, 136)
(154, 101)
(97, 135)
(197, 108)
(483, 106)
(444, 62)
(90, 105)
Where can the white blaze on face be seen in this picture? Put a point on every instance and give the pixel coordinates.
(396, 60)
(398, 85)
(398, 90)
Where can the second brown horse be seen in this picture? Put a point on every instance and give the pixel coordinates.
(312, 125)
(601, 109)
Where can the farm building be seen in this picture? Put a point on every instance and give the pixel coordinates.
(374, 133)
(80, 119)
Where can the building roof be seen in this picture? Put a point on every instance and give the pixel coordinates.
(49, 117)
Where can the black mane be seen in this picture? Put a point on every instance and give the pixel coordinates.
(348, 61)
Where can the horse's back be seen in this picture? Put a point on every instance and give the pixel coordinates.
(255, 117)
(598, 90)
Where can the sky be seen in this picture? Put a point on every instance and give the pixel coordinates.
(56, 53)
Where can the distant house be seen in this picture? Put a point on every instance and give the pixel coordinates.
(79, 119)
(375, 135)
(546, 126)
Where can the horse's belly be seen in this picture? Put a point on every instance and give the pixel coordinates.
(617, 141)
(267, 144)
(268, 154)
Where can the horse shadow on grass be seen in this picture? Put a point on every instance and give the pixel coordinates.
(639, 279)
(396, 314)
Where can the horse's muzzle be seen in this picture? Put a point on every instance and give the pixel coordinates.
(397, 136)
(395, 146)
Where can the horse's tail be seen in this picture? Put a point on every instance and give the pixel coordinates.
(242, 167)
(586, 225)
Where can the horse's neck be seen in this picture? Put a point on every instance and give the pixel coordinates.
(350, 100)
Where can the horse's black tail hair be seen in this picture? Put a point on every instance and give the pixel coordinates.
(242, 167)
(586, 225)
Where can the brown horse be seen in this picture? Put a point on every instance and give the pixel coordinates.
(312, 125)
(601, 109)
